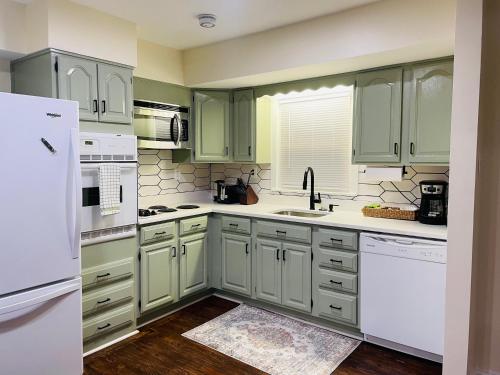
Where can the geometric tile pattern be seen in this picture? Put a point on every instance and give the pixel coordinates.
(403, 192)
(158, 175)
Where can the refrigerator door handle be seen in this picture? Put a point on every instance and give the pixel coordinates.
(27, 302)
(77, 212)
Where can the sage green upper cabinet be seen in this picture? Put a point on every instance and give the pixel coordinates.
(158, 275)
(244, 125)
(115, 94)
(430, 113)
(268, 267)
(377, 117)
(103, 89)
(236, 263)
(297, 276)
(212, 121)
(77, 80)
(193, 264)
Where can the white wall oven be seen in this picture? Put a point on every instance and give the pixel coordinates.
(97, 149)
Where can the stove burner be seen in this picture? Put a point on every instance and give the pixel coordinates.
(187, 206)
(159, 207)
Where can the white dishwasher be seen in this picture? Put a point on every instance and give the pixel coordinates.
(403, 292)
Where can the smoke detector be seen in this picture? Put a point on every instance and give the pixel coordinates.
(207, 20)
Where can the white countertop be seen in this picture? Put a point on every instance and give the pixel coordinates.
(348, 215)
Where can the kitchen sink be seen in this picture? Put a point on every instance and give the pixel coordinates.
(297, 213)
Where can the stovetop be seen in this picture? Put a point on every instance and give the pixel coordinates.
(160, 209)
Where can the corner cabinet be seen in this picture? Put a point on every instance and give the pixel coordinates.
(377, 119)
(403, 115)
(244, 125)
(430, 113)
(212, 126)
(103, 89)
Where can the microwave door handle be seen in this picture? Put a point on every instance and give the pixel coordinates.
(179, 127)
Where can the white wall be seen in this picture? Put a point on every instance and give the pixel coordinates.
(159, 63)
(390, 31)
(4, 75)
(13, 35)
(464, 130)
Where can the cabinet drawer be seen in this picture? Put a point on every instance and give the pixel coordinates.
(335, 259)
(288, 232)
(105, 298)
(107, 272)
(193, 225)
(344, 282)
(236, 224)
(339, 239)
(108, 322)
(158, 232)
(337, 306)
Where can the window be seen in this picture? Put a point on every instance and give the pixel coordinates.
(314, 129)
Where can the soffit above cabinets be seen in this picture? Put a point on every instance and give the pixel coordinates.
(174, 24)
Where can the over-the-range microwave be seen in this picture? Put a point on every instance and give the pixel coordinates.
(161, 125)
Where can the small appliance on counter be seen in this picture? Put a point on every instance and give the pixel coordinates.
(239, 193)
(433, 206)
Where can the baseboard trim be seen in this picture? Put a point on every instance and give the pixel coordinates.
(112, 342)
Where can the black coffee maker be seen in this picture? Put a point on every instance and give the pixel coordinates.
(433, 206)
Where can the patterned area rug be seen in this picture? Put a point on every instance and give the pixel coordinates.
(274, 343)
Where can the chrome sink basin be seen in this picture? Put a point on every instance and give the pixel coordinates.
(297, 213)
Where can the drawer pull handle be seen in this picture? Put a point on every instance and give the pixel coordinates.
(106, 274)
(336, 282)
(160, 233)
(336, 240)
(284, 251)
(336, 307)
(174, 252)
(195, 225)
(104, 301)
(104, 326)
(183, 249)
(281, 233)
(277, 254)
(336, 261)
(233, 225)
(246, 248)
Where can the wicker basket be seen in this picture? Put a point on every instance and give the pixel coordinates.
(390, 213)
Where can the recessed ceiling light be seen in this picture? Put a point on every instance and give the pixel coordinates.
(207, 20)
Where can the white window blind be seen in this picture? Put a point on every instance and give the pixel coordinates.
(315, 130)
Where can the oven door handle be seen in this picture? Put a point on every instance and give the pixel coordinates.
(77, 194)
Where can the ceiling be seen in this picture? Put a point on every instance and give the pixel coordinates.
(173, 23)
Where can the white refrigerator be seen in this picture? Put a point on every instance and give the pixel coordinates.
(40, 196)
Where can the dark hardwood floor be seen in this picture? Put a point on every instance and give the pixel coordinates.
(159, 348)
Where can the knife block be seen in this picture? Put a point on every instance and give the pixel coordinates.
(250, 197)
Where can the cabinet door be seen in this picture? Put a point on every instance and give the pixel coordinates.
(297, 276)
(243, 125)
(212, 126)
(158, 275)
(236, 263)
(269, 270)
(77, 80)
(377, 117)
(115, 94)
(193, 264)
(430, 113)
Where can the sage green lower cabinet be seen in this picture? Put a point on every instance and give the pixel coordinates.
(193, 264)
(236, 263)
(158, 275)
(296, 268)
(268, 268)
(430, 113)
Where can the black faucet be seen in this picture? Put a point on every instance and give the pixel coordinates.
(312, 199)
